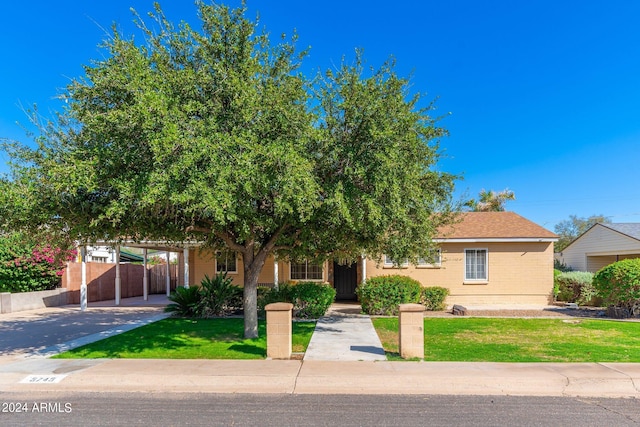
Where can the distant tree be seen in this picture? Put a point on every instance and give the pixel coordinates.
(490, 201)
(215, 135)
(570, 229)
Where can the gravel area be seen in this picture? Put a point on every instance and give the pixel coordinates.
(552, 312)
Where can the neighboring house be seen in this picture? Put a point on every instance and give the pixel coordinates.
(601, 245)
(486, 258)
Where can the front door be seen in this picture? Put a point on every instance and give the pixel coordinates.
(345, 280)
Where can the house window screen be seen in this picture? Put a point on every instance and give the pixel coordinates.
(306, 271)
(475, 264)
(226, 261)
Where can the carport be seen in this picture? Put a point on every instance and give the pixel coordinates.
(182, 249)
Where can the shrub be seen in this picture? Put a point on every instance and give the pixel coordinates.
(381, 295)
(215, 296)
(185, 302)
(619, 283)
(309, 299)
(432, 297)
(576, 286)
(556, 284)
(561, 266)
(28, 266)
(269, 295)
(219, 296)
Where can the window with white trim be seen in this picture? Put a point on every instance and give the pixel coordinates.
(436, 261)
(226, 261)
(390, 262)
(306, 270)
(475, 264)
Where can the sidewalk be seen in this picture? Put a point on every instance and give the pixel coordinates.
(319, 377)
(32, 372)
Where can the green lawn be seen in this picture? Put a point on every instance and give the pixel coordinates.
(520, 340)
(175, 338)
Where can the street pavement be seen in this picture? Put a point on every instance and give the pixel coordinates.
(31, 370)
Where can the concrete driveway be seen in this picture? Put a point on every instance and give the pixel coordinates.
(39, 331)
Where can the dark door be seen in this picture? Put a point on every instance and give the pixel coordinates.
(345, 280)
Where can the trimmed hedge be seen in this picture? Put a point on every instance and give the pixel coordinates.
(619, 283)
(310, 299)
(381, 295)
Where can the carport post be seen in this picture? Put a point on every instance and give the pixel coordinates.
(83, 283)
(168, 277)
(275, 272)
(185, 252)
(118, 280)
(145, 276)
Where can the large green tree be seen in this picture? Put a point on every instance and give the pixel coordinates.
(216, 135)
(570, 229)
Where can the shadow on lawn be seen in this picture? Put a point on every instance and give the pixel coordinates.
(249, 349)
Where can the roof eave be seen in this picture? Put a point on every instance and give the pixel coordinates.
(497, 240)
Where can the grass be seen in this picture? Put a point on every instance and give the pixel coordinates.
(520, 340)
(177, 338)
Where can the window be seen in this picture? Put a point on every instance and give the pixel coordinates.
(390, 262)
(226, 261)
(475, 264)
(99, 259)
(435, 262)
(306, 271)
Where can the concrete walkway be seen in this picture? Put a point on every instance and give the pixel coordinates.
(344, 334)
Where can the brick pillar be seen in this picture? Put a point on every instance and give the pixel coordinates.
(411, 322)
(279, 330)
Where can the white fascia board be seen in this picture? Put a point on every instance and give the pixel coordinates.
(498, 240)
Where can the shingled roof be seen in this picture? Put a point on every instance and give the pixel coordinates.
(494, 225)
(631, 229)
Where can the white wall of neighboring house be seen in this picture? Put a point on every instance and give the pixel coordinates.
(101, 254)
(597, 248)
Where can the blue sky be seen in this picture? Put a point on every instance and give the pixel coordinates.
(542, 97)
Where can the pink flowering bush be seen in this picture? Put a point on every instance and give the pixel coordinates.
(26, 265)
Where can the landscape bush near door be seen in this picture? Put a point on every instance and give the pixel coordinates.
(381, 295)
(619, 284)
(310, 299)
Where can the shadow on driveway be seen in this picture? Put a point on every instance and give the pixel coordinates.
(32, 331)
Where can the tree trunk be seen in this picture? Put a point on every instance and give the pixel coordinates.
(250, 304)
(253, 264)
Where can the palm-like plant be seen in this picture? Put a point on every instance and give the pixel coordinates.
(185, 302)
(490, 201)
